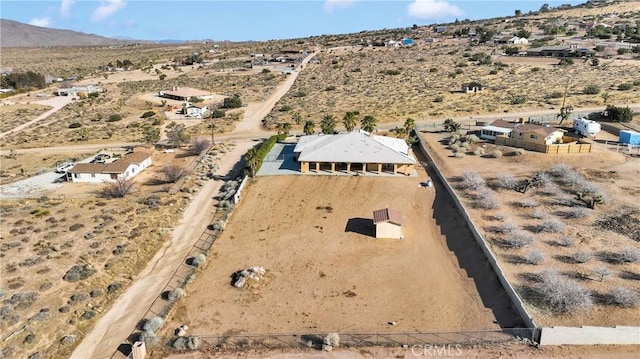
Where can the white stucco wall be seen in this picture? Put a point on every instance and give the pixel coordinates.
(588, 335)
(90, 177)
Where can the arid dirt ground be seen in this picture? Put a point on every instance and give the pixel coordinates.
(326, 272)
(615, 173)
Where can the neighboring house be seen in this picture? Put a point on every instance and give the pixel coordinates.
(501, 39)
(440, 29)
(497, 128)
(185, 93)
(430, 40)
(527, 132)
(126, 167)
(472, 87)
(195, 111)
(388, 223)
(560, 51)
(356, 151)
(73, 91)
(518, 41)
(392, 43)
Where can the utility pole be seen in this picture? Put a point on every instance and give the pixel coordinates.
(213, 142)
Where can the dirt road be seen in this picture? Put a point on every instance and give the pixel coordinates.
(57, 103)
(116, 324)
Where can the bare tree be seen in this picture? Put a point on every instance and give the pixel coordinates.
(199, 144)
(118, 189)
(172, 173)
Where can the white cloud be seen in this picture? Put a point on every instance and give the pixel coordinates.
(432, 9)
(331, 5)
(107, 8)
(65, 6)
(40, 21)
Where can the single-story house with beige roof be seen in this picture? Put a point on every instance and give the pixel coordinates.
(185, 93)
(353, 151)
(543, 135)
(126, 167)
(195, 111)
(388, 223)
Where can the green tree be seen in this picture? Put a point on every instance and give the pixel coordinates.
(252, 161)
(523, 33)
(605, 96)
(349, 120)
(328, 124)
(400, 132)
(151, 134)
(451, 125)
(83, 133)
(565, 112)
(518, 13)
(409, 124)
(177, 135)
(618, 114)
(232, 102)
(283, 128)
(309, 127)
(369, 123)
(297, 118)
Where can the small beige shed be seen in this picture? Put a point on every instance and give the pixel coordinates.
(388, 223)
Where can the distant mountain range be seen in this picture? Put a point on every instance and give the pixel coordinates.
(17, 34)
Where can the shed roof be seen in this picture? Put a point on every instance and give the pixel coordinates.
(387, 215)
(352, 147)
(496, 129)
(118, 166)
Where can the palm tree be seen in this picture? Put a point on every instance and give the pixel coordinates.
(297, 117)
(400, 132)
(328, 124)
(409, 125)
(368, 123)
(283, 128)
(309, 127)
(252, 161)
(349, 120)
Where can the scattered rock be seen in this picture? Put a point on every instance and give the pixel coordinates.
(240, 278)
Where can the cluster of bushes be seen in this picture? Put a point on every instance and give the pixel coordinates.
(257, 155)
(22, 80)
(232, 102)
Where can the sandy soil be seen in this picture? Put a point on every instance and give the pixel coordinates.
(56, 103)
(614, 172)
(325, 270)
(506, 350)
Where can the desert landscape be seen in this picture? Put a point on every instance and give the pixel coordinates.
(86, 273)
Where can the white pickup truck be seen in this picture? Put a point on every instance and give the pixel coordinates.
(64, 167)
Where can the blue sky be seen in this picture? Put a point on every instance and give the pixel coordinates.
(240, 20)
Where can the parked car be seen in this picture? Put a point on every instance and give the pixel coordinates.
(64, 167)
(102, 158)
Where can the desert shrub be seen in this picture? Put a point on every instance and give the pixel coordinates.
(199, 144)
(576, 212)
(550, 226)
(528, 203)
(556, 94)
(519, 239)
(566, 62)
(114, 117)
(518, 152)
(472, 180)
(114, 287)
(507, 227)
(39, 212)
(22, 300)
(506, 181)
(601, 272)
(148, 338)
(433, 69)
(77, 298)
(218, 113)
(581, 257)
(549, 189)
(538, 214)
(455, 147)
(330, 88)
(459, 154)
(199, 260)
(565, 241)
(517, 99)
(625, 86)
(76, 226)
(172, 173)
(79, 272)
(75, 125)
(330, 341)
(478, 151)
(438, 98)
(563, 295)
(534, 257)
(591, 90)
(176, 294)
(87, 315)
(624, 297)
(232, 102)
(488, 199)
(628, 255)
(148, 114)
(471, 138)
(118, 188)
(191, 343)
(68, 339)
(560, 170)
(153, 325)
(495, 154)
